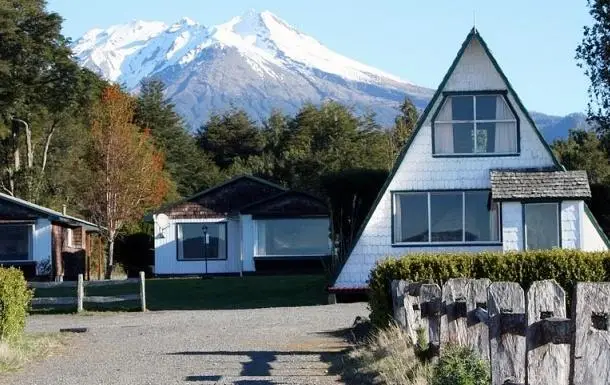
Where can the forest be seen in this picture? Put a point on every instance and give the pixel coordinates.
(68, 137)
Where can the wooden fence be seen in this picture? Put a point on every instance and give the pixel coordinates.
(526, 339)
(81, 298)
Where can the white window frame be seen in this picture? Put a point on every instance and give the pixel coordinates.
(474, 122)
(69, 237)
(395, 196)
(558, 211)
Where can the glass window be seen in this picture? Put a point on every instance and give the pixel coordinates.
(481, 217)
(15, 242)
(541, 225)
(446, 224)
(293, 237)
(191, 243)
(453, 217)
(475, 124)
(411, 217)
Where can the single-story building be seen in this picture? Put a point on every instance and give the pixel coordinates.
(237, 226)
(41, 241)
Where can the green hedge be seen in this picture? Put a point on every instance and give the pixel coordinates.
(14, 303)
(565, 266)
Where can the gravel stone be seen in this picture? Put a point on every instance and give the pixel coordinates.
(296, 345)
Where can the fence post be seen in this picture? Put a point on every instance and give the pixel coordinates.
(591, 308)
(143, 290)
(399, 290)
(506, 304)
(80, 294)
(412, 310)
(453, 321)
(477, 333)
(430, 308)
(548, 335)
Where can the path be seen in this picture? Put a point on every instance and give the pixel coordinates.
(244, 347)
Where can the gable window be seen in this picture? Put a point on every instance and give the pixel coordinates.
(445, 217)
(192, 244)
(15, 242)
(475, 124)
(541, 225)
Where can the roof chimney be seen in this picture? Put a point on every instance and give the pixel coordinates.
(63, 211)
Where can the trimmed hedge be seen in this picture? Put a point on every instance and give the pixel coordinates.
(14, 303)
(565, 266)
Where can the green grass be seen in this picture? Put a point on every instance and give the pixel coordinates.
(195, 294)
(30, 347)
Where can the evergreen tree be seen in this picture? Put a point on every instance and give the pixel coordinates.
(583, 150)
(404, 125)
(190, 168)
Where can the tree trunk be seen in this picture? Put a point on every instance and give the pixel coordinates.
(110, 259)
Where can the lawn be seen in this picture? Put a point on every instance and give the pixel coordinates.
(195, 293)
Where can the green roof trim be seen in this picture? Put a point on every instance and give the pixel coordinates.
(597, 226)
(420, 122)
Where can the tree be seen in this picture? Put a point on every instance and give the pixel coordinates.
(583, 150)
(404, 125)
(190, 168)
(127, 175)
(230, 136)
(38, 77)
(593, 54)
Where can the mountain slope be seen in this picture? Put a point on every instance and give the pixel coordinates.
(255, 61)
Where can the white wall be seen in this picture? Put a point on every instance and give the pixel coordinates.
(512, 226)
(591, 239)
(41, 240)
(248, 242)
(420, 171)
(166, 261)
(570, 224)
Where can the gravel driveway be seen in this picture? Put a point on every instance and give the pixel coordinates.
(245, 347)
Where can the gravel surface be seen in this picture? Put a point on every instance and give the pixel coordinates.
(245, 347)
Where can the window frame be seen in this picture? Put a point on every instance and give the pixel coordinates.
(178, 240)
(31, 228)
(524, 224)
(257, 229)
(501, 93)
(429, 243)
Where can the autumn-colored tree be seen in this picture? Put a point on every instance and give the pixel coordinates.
(127, 172)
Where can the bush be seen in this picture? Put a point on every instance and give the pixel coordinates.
(460, 365)
(14, 302)
(565, 266)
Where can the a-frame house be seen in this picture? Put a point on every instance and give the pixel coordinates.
(476, 175)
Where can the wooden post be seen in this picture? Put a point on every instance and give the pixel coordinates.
(477, 333)
(412, 310)
(506, 304)
(332, 298)
(454, 319)
(430, 308)
(399, 290)
(80, 294)
(591, 310)
(143, 290)
(548, 332)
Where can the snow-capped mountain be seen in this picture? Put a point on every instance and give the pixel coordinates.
(255, 61)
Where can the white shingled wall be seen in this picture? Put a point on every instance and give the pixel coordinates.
(420, 171)
(570, 224)
(592, 240)
(512, 226)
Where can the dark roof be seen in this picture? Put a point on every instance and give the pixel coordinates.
(15, 208)
(288, 204)
(224, 199)
(474, 34)
(523, 184)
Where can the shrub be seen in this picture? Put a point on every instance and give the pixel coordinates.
(14, 303)
(460, 365)
(565, 266)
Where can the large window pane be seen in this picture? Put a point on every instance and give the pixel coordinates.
(411, 218)
(293, 237)
(486, 107)
(15, 242)
(481, 217)
(191, 243)
(541, 225)
(486, 137)
(446, 217)
(463, 134)
(462, 107)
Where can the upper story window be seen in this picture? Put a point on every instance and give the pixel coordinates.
(475, 125)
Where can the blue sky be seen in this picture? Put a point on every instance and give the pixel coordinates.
(534, 41)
